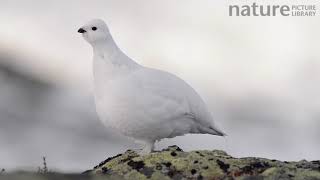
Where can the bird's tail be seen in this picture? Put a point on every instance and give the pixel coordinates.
(213, 130)
(217, 131)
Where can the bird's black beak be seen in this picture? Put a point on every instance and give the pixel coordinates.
(81, 31)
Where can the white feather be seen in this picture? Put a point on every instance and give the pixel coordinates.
(143, 103)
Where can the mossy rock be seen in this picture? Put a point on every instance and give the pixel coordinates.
(174, 163)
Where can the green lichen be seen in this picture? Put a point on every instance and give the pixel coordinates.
(173, 163)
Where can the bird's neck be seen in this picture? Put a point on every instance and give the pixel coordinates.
(108, 51)
(110, 63)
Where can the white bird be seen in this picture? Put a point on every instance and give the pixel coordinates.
(140, 102)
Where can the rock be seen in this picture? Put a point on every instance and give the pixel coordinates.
(174, 163)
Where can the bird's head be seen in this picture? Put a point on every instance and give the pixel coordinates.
(95, 31)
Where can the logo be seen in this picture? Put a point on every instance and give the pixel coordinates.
(272, 10)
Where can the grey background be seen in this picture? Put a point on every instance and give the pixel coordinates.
(259, 76)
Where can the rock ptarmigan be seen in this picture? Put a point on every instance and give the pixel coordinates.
(140, 102)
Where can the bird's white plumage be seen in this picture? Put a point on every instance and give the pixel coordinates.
(143, 103)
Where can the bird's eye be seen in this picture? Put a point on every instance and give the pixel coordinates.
(94, 28)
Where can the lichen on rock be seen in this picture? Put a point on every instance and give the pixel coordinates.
(174, 163)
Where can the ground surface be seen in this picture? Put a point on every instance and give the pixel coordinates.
(174, 163)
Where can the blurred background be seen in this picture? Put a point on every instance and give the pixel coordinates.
(260, 76)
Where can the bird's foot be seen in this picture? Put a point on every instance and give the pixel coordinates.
(142, 151)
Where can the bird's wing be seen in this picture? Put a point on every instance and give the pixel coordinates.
(155, 96)
(171, 94)
(163, 92)
(184, 99)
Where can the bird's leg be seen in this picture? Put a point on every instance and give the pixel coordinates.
(148, 148)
